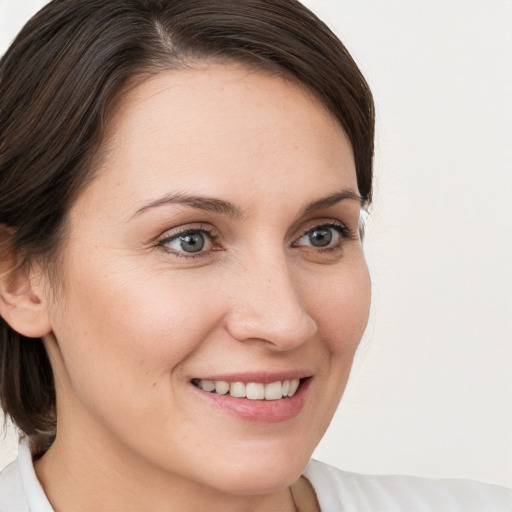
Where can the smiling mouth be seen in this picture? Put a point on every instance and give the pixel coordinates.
(250, 390)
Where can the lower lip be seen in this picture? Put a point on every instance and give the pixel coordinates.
(260, 411)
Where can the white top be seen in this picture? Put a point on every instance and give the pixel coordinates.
(337, 491)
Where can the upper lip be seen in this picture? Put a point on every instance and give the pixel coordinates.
(264, 377)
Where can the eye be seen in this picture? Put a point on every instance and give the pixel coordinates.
(326, 236)
(190, 242)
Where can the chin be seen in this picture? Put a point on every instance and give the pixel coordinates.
(263, 473)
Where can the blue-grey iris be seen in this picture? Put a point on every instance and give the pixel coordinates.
(192, 242)
(320, 237)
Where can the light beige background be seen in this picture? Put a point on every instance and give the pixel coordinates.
(431, 392)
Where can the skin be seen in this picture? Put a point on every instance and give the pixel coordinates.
(135, 319)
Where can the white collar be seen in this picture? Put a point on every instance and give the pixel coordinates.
(34, 494)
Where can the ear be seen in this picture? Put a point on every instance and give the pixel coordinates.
(21, 300)
(22, 307)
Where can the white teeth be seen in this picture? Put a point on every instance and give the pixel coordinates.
(221, 387)
(251, 390)
(294, 385)
(273, 391)
(255, 391)
(237, 389)
(208, 385)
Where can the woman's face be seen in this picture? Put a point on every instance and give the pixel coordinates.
(217, 243)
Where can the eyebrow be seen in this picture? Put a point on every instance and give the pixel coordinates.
(326, 202)
(212, 204)
(209, 204)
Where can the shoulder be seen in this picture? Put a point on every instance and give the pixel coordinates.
(350, 492)
(12, 496)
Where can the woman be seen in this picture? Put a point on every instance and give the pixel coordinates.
(183, 286)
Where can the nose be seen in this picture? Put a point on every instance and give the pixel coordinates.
(266, 305)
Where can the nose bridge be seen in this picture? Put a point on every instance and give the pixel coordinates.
(267, 303)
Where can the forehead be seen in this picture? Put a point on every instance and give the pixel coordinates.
(221, 126)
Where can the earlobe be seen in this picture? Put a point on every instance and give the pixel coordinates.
(21, 305)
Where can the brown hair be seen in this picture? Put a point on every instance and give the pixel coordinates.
(59, 81)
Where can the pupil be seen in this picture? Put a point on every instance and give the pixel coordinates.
(320, 237)
(193, 242)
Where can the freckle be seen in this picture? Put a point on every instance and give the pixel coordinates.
(154, 384)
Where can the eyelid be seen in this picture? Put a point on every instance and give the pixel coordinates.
(184, 228)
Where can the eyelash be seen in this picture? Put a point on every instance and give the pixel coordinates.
(344, 232)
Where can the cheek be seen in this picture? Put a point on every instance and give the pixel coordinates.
(130, 328)
(341, 307)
